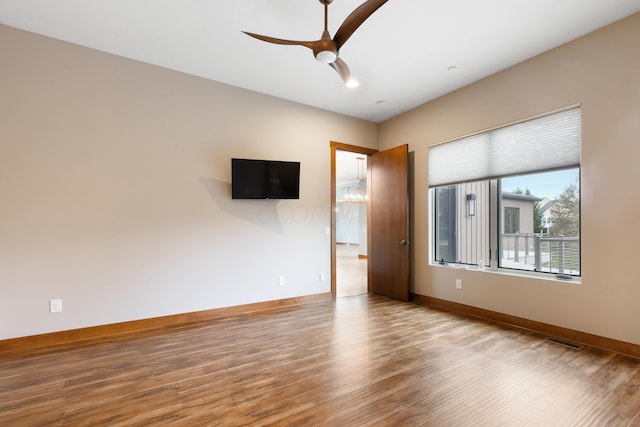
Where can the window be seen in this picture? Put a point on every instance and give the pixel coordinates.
(446, 225)
(509, 198)
(511, 220)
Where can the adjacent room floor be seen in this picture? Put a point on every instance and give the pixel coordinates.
(351, 271)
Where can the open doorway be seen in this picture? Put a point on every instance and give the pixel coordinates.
(350, 236)
(351, 223)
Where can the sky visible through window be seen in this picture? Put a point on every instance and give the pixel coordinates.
(549, 184)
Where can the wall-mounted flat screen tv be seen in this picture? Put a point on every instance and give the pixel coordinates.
(264, 179)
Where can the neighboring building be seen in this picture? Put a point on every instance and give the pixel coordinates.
(461, 233)
(544, 208)
(518, 213)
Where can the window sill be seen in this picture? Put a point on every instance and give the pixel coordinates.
(575, 280)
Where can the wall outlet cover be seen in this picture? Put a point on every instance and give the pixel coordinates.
(55, 305)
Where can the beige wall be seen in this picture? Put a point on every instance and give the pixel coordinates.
(115, 190)
(601, 71)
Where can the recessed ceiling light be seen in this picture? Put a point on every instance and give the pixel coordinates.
(452, 69)
(382, 102)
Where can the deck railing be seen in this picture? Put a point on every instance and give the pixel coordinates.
(537, 252)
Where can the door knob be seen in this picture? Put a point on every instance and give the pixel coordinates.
(404, 242)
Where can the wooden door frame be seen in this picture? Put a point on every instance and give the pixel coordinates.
(335, 146)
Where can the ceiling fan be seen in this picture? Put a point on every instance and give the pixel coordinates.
(326, 49)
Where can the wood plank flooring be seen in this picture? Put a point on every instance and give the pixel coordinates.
(357, 361)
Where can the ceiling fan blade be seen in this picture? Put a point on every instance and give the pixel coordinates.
(355, 19)
(341, 67)
(309, 44)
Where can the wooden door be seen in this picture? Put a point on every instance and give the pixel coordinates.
(389, 219)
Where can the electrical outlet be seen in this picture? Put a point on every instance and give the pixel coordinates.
(458, 283)
(55, 305)
(322, 278)
(281, 281)
(327, 231)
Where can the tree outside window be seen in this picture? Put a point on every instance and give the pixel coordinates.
(565, 214)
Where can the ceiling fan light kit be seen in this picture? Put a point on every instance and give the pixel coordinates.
(326, 56)
(326, 49)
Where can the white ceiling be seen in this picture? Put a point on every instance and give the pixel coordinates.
(400, 55)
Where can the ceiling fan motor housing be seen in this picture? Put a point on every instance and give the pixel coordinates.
(325, 50)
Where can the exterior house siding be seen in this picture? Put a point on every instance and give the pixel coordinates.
(473, 232)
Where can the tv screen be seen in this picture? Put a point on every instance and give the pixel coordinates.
(264, 179)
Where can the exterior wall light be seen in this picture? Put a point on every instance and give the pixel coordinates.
(471, 204)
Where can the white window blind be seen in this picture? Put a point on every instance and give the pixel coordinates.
(541, 144)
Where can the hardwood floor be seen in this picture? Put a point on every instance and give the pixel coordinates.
(364, 360)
